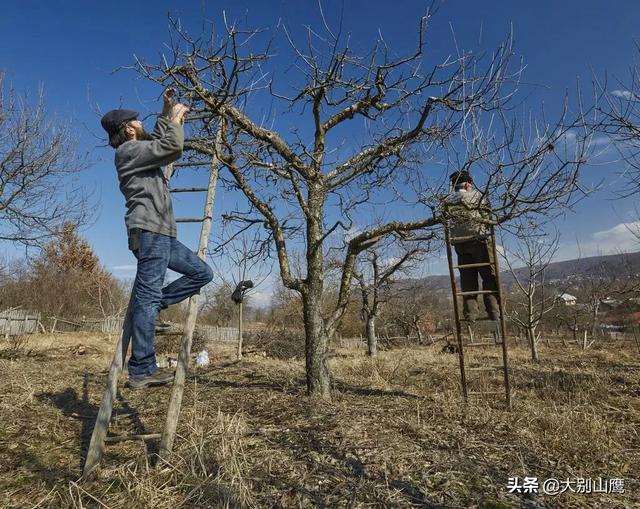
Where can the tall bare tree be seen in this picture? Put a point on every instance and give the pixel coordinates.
(244, 260)
(352, 134)
(527, 262)
(38, 160)
(374, 273)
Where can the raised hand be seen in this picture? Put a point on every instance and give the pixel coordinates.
(178, 112)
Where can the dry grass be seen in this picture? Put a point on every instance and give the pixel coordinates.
(396, 434)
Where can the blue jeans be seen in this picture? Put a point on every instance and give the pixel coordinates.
(156, 253)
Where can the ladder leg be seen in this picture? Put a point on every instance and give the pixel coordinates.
(101, 426)
(503, 328)
(173, 413)
(456, 314)
(169, 432)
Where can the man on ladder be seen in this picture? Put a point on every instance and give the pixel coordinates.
(151, 228)
(471, 239)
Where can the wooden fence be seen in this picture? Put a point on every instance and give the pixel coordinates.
(213, 333)
(113, 325)
(109, 325)
(14, 322)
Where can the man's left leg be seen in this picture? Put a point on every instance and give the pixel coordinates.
(195, 274)
(152, 255)
(488, 276)
(468, 282)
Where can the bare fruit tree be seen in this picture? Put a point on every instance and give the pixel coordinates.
(527, 262)
(375, 272)
(318, 136)
(244, 260)
(619, 119)
(38, 161)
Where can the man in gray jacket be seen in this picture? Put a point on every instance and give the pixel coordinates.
(151, 228)
(472, 241)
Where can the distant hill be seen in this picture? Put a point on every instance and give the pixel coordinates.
(574, 270)
(568, 270)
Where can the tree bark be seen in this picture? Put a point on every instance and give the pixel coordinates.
(316, 334)
(372, 340)
(531, 334)
(594, 326)
(316, 346)
(239, 350)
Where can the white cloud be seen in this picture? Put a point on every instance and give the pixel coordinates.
(123, 268)
(598, 141)
(351, 232)
(623, 237)
(621, 234)
(389, 261)
(260, 298)
(623, 94)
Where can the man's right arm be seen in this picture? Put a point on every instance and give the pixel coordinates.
(138, 156)
(161, 126)
(166, 115)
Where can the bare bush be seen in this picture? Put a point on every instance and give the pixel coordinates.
(14, 347)
(278, 343)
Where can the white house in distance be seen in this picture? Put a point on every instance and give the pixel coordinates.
(568, 299)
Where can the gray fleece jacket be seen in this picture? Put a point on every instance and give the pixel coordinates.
(142, 182)
(467, 210)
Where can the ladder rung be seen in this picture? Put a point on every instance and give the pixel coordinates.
(477, 393)
(473, 265)
(191, 163)
(125, 438)
(491, 343)
(465, 238)
(191, 118)
(478, 292)
(190, 219)
(484, 368)
(122, 414)
(481, 319)
(189, 189)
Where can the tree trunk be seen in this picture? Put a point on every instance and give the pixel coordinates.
(239, 351)
(531, 327)
(316, 346)
(372, 340)
(531, 334)
(316, 336)
(594, 326)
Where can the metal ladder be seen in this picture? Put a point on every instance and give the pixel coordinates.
(500, 335)
(99, 437)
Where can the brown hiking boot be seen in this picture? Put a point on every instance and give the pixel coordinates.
(160, 377)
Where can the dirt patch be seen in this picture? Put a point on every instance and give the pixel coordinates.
(397, 433)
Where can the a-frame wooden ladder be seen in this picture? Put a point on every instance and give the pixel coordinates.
(99, 437)
(501, 332)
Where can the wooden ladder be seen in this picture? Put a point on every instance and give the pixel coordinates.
(99, 437)
(500, 335)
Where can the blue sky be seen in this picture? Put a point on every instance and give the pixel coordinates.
(73, 47)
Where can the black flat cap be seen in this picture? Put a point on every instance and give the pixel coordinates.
(113, 119)
(460, 177)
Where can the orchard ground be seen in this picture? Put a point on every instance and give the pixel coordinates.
(396, 433)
